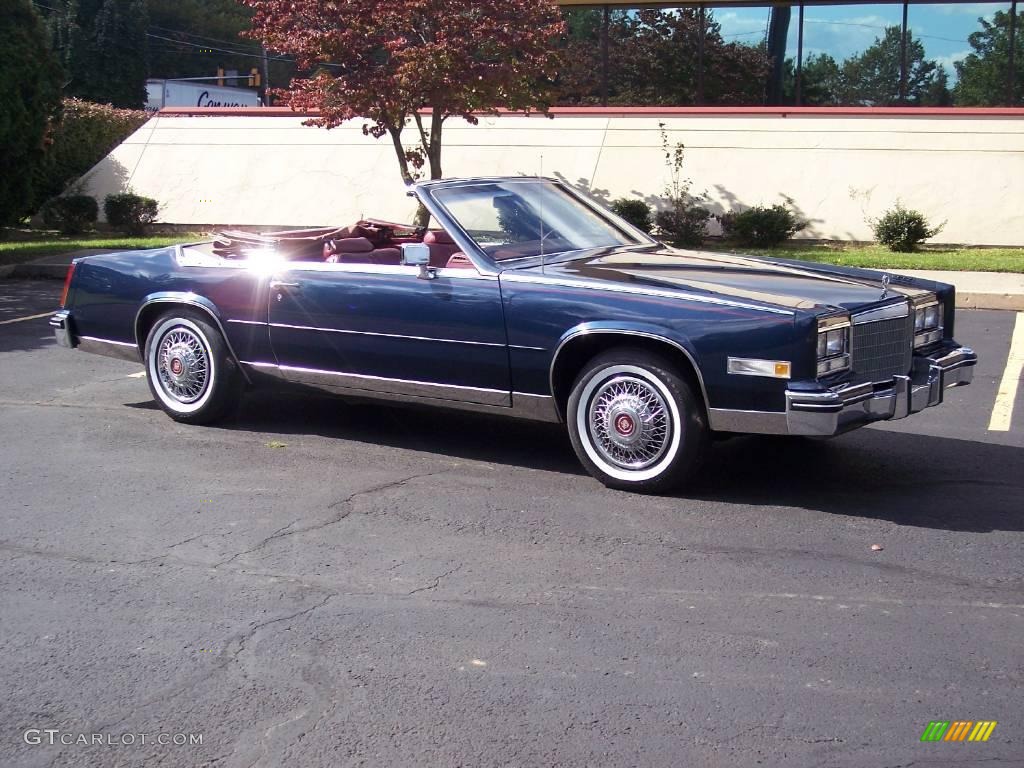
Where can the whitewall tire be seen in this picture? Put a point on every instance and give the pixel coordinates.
(189, 369)
(635, 422)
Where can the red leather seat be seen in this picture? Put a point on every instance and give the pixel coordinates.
(386, 256)
(441, 247)
(350, 250)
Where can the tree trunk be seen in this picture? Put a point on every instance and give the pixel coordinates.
(434, 150)
(422, 217)
(403, 163)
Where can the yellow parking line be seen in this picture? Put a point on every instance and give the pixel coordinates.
(23, 319)
(1002, 411)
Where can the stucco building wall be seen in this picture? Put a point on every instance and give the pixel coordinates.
(263, 167)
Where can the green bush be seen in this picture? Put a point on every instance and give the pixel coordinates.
(683, 225)
(903, 230)
(636, 212)
(72, 214)
(130, 213)
(86, 133)
(761, 226)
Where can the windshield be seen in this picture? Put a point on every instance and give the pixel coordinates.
(515, 219)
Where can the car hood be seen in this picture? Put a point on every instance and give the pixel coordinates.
(779, 284)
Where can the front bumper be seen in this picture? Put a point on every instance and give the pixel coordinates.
(837, 410)
(61, 324)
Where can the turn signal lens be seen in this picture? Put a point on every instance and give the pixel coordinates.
(67, 286)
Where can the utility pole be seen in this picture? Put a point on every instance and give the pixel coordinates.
(266, 76)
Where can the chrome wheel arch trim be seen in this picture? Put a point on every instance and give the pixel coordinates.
(589, 329)
(187, 299)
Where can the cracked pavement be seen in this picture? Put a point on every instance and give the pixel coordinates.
(402, 588)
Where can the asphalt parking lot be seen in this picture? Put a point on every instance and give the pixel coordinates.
(314, 584)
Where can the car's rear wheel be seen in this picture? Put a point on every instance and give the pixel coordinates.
(635, 422)
(189, 369)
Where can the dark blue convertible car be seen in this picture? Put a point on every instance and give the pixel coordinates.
(526, 299)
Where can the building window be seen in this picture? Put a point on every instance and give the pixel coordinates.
(805, 54)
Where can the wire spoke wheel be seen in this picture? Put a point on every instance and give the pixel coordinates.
(183, 365)
(629, 422)
(635, 422)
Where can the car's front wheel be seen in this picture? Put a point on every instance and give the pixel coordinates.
(189, 369)
(635, 422)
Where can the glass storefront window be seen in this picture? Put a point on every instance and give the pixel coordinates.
(968, 43)
(950, 54)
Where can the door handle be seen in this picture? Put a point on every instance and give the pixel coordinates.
(281, 284)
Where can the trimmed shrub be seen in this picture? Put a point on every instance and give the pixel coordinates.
(130, 213)
(72, 214)
(683, 225)
(636, 212)
(903, 230)
(86, 133)
(761, 226)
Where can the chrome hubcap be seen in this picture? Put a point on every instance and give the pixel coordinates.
(629, 422)
(182, 365)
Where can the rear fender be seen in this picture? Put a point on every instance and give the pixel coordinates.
(155, 303)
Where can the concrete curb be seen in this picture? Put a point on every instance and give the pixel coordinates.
(1006, 301)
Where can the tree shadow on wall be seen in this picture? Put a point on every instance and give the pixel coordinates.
(726, 202)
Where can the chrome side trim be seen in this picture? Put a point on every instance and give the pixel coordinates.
(397, 270)
(528, 349)
(747, 422)
(889, 312)
(118, 349)
(644, 334)
(382, 384)
(535, 407)
(191, 300)
(246, 322)
(384, 335)
(516, 277)
(523, 405)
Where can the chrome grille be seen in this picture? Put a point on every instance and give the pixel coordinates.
(882, 349)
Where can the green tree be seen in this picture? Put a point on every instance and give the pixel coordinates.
(983, 76)
(654, 59)
(103, 47)
(30, 83)
(192, 38)
(872, 78)
(821, 82)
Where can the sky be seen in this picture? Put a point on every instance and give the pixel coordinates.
(845, 30)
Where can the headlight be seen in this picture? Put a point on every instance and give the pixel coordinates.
(833, 345)
(927, 323)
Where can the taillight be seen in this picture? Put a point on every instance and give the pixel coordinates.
(67, 286)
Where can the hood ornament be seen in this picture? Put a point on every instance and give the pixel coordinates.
(885, 286)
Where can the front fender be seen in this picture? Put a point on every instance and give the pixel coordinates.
(626, 329)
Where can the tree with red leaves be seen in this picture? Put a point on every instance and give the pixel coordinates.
(396, 62)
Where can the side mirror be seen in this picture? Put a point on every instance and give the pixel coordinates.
(415, 255)
(418, 255)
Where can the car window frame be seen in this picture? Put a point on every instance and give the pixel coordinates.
(484, 263)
